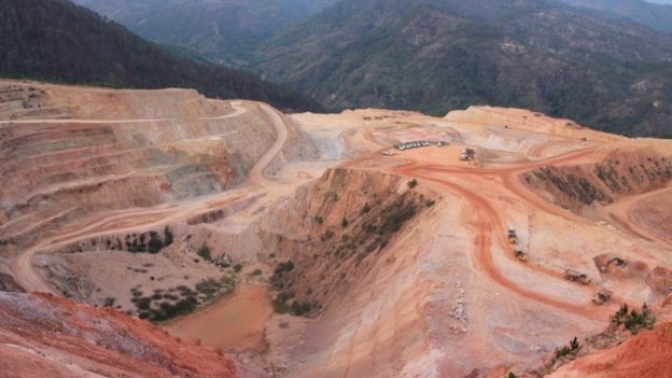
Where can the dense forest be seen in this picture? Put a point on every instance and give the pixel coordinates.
(225, 31)
(655, 16)
(58, 41)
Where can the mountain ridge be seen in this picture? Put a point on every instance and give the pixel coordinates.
(58, 41)
(655, 16)
(439, 57)
(225, 31)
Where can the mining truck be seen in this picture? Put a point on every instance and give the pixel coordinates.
(520, 255)
(601, 297)
(467, 154)
(619, 262)
(513, 237)
(573, 275)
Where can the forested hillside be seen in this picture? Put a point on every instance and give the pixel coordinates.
(56, 40)
(450, 54)
(226, 31)
(655, 16)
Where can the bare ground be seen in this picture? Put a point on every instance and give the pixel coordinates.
(446, 296)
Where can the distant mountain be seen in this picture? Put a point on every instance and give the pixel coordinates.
(655, 16)
(56, 40)
(449, 54)
(222, 30)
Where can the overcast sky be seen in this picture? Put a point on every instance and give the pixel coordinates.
(660, 1)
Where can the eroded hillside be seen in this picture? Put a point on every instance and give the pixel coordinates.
(45, 336)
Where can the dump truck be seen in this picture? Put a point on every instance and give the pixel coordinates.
(513, 237)
(520, 255)
(618, 262)
(573, 275)
(601, 297)
(467, 154)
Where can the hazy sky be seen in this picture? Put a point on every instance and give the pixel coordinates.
(660, 1)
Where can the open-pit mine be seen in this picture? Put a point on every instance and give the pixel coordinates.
(370, 243)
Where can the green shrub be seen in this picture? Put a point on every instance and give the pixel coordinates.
(167, 236)
(109, 302)
(276, 279)
(633, 320)
(155, 244)
(572, 349)
(205, 252)
(412, 183)
(327, 235)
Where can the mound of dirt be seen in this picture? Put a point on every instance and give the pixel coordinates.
(49, 337)
(646, 355)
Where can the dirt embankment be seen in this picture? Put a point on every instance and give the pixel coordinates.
(332, 232)
(618, 175)
(646, 355)
(49, 337)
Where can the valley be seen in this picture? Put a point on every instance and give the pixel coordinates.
(306, 245)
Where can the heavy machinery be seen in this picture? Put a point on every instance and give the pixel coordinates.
(513, 237)
(601, 297)
(573, 275)
(467, 154)
(520, 255)
(619, 262)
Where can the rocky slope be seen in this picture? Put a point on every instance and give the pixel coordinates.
(622, 173)
(118, 155)
(49, 337)
(645, 355)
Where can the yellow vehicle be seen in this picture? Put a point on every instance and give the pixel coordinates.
(573, 275)
(520, 255)
(601, 297)
(513, 237)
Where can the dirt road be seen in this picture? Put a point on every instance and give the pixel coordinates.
(143, 218)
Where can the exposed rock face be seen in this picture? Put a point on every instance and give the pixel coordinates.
(48, 337)
(71, 152)
(646, 355)
(619, 175)
(336, 229)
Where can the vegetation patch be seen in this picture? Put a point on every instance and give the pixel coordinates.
(180, 300)
(633, 320)
(567, 350)
(148, 242)
(205, 252)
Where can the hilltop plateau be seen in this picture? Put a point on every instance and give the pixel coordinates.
(306, 245)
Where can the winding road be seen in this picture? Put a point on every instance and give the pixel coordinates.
(142, 218)
(488, 220)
